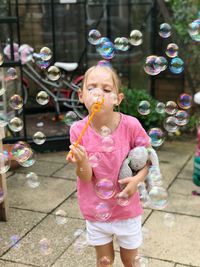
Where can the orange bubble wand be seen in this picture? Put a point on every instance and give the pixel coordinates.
(95, 108)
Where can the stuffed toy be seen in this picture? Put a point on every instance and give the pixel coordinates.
(136, 160)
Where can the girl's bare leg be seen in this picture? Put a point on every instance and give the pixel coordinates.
(104, 254)
(128, 256)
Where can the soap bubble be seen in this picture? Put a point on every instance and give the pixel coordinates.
(181, 117)
(53, 73)
(29, 162)
(169, 219)
(2, 90)
(60, 217)
(113, 99)
(21, 151)
(176, 65)
(163, 63)
(14, 241)
(32, 180)
(42, 98)
(16, 102)
(107, 144)
(104, 262)
(94, 37)
(172, 50)
(16, 124)
(135, 38)
(170, 124)
(105, 131)
(106, 50)
(184, 101)
(160, 108)
(164, 30)
(26, 53)
(39, 138)
(1, 59)
(122, 199)
(96, 95)
(4, 162)
(102, 211)
(93, 160)
(154, 176)
(70, 118)
(194, 30)
(158, 197)
(152, 65)
(121, 43)
(45, 53)
(157, 137)
(105, 188)
(171, 107)
(11, 74)
(1, 195)
(44, 246)
(144, 107)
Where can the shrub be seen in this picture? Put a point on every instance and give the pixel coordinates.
(132, 97)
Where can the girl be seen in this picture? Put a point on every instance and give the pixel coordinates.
(122, 221)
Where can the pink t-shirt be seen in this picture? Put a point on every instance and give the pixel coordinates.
(126, 136)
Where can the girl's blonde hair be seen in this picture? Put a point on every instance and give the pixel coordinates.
(115, 77)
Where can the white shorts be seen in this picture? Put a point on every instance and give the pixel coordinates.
(128, 232)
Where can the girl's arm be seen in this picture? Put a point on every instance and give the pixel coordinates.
(132, 182)
(79, 157)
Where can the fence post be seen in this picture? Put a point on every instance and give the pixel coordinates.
(3, 185)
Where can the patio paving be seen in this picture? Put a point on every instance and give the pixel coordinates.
(43, 240)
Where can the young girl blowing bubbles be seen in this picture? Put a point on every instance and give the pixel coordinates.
(121, 221)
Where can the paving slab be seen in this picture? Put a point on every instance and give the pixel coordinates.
(67, 172)
(11, 264)
(20, 222)
(58, 157)
(47, 196)
(46, 243)
(86, 258)
(71, 208)
(181, 199)
(178, 244)
(44, 168)
(187, 171)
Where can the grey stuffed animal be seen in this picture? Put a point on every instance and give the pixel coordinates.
(136, 160)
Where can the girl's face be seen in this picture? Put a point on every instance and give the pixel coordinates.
(99, 84)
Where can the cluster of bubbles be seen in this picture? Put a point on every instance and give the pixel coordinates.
(156, 64)
(154, 195)
(176, 116)
(107, 49)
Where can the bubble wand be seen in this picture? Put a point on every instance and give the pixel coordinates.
(95, 108)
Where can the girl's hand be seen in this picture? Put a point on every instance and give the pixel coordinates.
(77, 155)
(131, 187)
